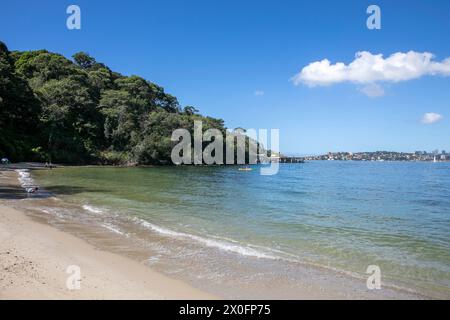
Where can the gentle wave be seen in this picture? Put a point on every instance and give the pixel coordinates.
(25, 178)
(298, 219)
(226, 246)
(230, 246)
(114, 229)
(92, 209)
(53, 212)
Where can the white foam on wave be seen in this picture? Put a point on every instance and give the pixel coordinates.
(226, 246)
(92, 209)
(53, 212)
(153, 260)
(114, 229)
(280, 254)
(24, 177)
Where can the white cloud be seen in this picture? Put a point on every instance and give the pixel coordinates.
(373, 90)
(431, 117)
(369, 68)
(258, 93)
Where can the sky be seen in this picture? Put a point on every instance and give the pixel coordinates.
(311, 69)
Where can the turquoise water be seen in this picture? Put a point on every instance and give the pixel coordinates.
(341, 216)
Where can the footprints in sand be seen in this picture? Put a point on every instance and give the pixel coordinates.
(16, 271)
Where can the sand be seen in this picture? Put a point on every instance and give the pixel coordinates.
(35, 258)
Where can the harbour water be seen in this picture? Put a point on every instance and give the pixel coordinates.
(311, 230)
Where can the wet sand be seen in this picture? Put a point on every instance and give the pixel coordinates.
(35, 258)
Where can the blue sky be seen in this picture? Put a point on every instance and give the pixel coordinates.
(216, 55)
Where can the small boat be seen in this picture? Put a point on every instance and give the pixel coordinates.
(245, 169)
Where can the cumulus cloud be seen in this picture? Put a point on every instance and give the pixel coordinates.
(369, 68)
(258, 93)
(431, 117)
(373, 90)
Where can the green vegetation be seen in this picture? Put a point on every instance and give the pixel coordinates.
(80, 112)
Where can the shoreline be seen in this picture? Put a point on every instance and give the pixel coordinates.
(35, 256)
(312, 280)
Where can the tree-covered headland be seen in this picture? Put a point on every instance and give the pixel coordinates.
(81, 112)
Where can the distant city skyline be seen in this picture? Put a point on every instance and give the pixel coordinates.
(313, 70)
(439, 151)
(435, 155)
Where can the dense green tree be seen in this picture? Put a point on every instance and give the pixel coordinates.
(19, 111)
(121, 122)
(80, 111)
(84, 60)
(101, 79)
(190, 110)
(156, 145)
(70, 119)
(42, 66)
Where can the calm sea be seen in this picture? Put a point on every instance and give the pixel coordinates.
(315, 226)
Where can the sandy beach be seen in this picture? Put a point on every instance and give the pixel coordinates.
(35, 257)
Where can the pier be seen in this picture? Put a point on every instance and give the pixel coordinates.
(292, 160)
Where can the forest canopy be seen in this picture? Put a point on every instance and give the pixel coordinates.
(81, 112)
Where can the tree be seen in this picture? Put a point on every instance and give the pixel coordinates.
(80, 111)
(156, 145)
(19, 110)
(84, 60)
(70, 119)
(121, 122)
(190, 110)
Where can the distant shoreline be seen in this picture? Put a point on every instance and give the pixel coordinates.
(41, 166)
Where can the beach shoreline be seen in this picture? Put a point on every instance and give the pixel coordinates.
(49, 228)
(35, 259)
